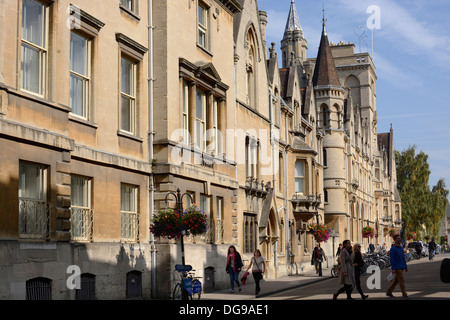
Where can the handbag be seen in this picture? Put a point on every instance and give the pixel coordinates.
(258, 267)
(390, 277)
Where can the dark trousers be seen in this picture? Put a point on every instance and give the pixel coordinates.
(358, 282)
(257, 276)
(348, 288)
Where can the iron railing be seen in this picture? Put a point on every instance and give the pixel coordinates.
(81, 222)
(130, 226)
(34, 219)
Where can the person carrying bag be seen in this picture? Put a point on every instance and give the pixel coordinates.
(257, 262)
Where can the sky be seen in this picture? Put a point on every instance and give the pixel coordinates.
(411, 53)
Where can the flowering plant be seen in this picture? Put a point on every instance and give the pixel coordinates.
(195, 220)
(411, 235)
(368, 232)
(167, 223)
(320, 232)
(392, 232)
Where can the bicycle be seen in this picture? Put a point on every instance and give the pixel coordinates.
(189, 287)
(335, 270)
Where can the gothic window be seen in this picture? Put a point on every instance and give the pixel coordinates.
(250, 225)
(251, 69)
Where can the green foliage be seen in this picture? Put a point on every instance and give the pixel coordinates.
(422, 209)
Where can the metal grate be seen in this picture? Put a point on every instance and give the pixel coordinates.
(81, 221)
(34, 219)
(39, 289)
(130, 226)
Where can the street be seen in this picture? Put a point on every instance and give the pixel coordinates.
(422, 282)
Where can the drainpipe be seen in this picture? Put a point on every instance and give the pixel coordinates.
(150, 143)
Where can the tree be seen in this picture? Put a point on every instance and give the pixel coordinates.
(421, 207)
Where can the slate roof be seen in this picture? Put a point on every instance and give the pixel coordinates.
(325, 73)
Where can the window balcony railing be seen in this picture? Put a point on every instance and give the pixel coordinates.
(81, 222)
(130, 226)
(34, 219)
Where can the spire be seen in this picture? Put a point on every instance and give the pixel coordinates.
(293, 21)
(325, 70)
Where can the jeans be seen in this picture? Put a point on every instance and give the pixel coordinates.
(234, 277)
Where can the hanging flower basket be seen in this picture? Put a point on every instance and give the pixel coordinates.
(195, 220)
(167, 223)
(368, 232)
(411, 235)
(320, 232)
(392, 232)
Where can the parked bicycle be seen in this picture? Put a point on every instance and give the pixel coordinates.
(335, 270)
(189, 287)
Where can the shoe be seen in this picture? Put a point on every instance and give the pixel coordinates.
(390, 295)
(364, 297)
(405, 297)
(232, 291)
(334, 296)
(240, 289)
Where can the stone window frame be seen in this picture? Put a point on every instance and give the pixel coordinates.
(134, 52)
(205, 78)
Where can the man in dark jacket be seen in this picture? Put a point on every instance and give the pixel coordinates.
(431, 249)
(398, 265)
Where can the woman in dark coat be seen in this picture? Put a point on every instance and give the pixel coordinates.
(358, 262)
(234, 266)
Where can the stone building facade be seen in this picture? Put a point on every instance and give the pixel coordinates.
(74, 163)
(108, 108)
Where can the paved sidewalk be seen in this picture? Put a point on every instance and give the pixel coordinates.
(268, 287)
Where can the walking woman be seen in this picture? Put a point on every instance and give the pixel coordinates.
(259, 266)
(347, 271)
(234, 265)
(358, 263)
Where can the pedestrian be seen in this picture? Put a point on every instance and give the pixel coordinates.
(338, 253)
(371, 247)
(418, 247)
(317, 258)
(358, 264)
(347, 271)
(233, 267)
(398, 266)
(431, 249)
(258, 266)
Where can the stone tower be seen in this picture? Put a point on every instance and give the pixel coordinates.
(293, 45)
(329, 97)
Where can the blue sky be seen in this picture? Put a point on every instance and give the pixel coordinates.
(411, 53)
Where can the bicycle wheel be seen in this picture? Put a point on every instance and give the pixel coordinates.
(177, 292)
(334, 272)
(197, 293)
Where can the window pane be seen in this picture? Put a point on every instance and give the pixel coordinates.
(201, 38)
(299, 185)
(299, 168)
(79, 192)
(32, 22)
(128, 198)
(127, 79)
(78, 54)
(77, 95)
(201, 15)
(127, 4)
(126, 114)
(199, 106)
(30, 69)
(29, 181)
(200, 133)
